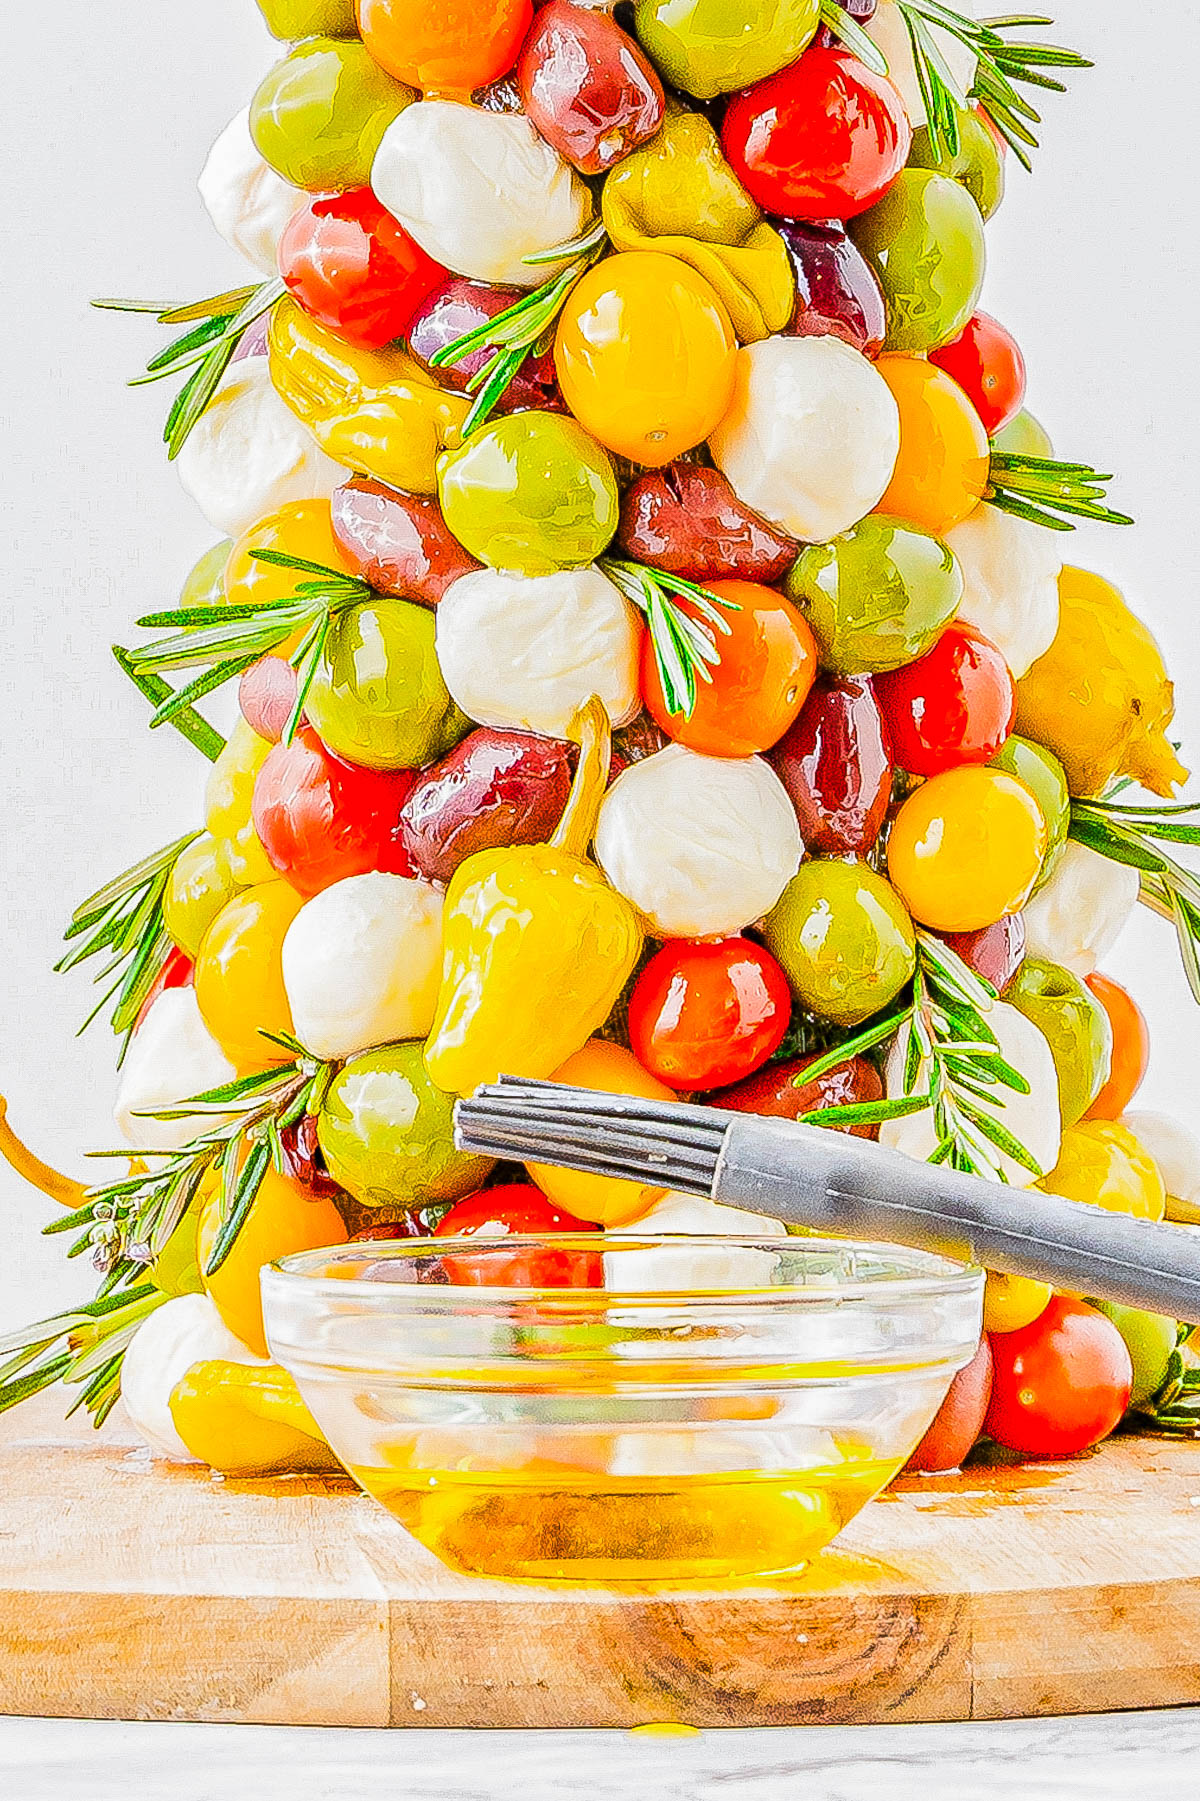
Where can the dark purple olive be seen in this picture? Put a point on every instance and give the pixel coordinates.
(996, 952)
(493, 788)
(688, 520)
(397, 542)
(588, 87)
(836, 765)
(771, 1091)
(837, 294)
(460, 306)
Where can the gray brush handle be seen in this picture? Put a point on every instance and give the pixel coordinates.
(829, 1181)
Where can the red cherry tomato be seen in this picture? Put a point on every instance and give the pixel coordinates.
(1059, 1384)
(986, 362)
(836, 764)
(518, 1209)
(823, 139)
(705, 1015)
(959, 1420)
(267, 695)
(354, 268)
(320, 819)
(954, 705)
(176, 972)
(994, 952)
(1131, 1048)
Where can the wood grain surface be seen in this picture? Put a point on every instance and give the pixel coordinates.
(141, 1592)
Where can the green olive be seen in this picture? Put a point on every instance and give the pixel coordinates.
(319, 114)
(877, 596)
(378, 697)
(1025, 436)
(530, 494)
(1074, 1025)
(924, 240)
(205, 584)
(176, 1269)
(1046, 780)
(710, 47)
(309, 18)
(1150, 1339)
(198, 886)
(978, 165)
(843, 938)
(387, 1133)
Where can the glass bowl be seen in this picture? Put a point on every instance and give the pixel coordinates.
(688, 1410)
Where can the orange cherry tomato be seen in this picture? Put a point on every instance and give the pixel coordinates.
(604, 1199)
(283, 1218)
(1131, 1048)
(941, 474)
(767, 667)
(967, 848)
(239, 974)
(302, 528)
(645, 356)
(445, 46)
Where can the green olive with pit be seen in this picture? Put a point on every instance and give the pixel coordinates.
(378, 697)
(1074, 1025)
(877, 596)
(319, 115)
(708, 49)
(924, 241)
(977, 164)
(1046, 780)
(530, 494)
(387, 1132)
(843, 938)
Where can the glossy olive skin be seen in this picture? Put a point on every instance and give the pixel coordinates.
(397, 542)
(318, 116)
(837, 294)
(706, 49)
(994, 952)
(294, 19)
(530, 494)
(460, 306)
(495, 788)
(588, 87)
(844, 940)
(378, 697)
(877, 596)
(775, 1092)
(1075, 1026)
(688, 520)
(387, 1134)
(1046, 780)
(978, 166)
(924, 240)
(836, 765)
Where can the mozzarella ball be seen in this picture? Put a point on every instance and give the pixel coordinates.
(1176, 1150)
(890, 32)
(172, 1056)
(1033, 1118)
(246, 200)
(362, 962)
(1010, 572)
(1077, 917)
(811, 436)
(648, 1270)
(700, 845)
(479, 191)
(182, 1332)
(528, 651)
(248, 454)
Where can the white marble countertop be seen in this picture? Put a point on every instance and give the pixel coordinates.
(1101, 1757)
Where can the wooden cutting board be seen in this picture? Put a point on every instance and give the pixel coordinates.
(144, 1592)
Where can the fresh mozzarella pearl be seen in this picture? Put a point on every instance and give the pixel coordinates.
(649, 1270)
(528, 651)
(248, 454)
(700, 845)
(811, 436)
(182, 1332)
(1010, 570)
(889, 31)
(361, 964)
(479, 191)
(1176, 1150)
(247, 202)
(172, 1056)
(1081, 912)
(1033, 1118)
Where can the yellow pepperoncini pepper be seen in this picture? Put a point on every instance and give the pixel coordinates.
(246, 1420)
(537, 946)
(1101, 1162)
(377, 411)
(679, 195)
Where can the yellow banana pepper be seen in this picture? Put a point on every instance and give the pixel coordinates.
(246, 1420)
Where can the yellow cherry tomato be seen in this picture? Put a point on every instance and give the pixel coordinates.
(199, 885)
(645, 355)
(1010, 1302)
(247, 1421)
(609, 1202)
(239, 974)
(283, 1218)
(303, 528)
(941, 474)
(228, 802)
(967, 848)
(1101, 1162)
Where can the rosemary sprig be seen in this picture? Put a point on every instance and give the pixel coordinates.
(954, 1065)
(123, 923)
(1041, 489)
(1130, 835)
(202, 736)
(224, 641)
(520, 329)
(685, 649)
(851, 33)
(203, 353)
(84, 1346)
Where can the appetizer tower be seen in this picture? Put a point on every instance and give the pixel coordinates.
(657, 670)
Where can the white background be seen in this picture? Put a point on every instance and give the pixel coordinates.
(109, 110)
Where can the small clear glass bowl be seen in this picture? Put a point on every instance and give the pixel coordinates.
(716, 1411)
